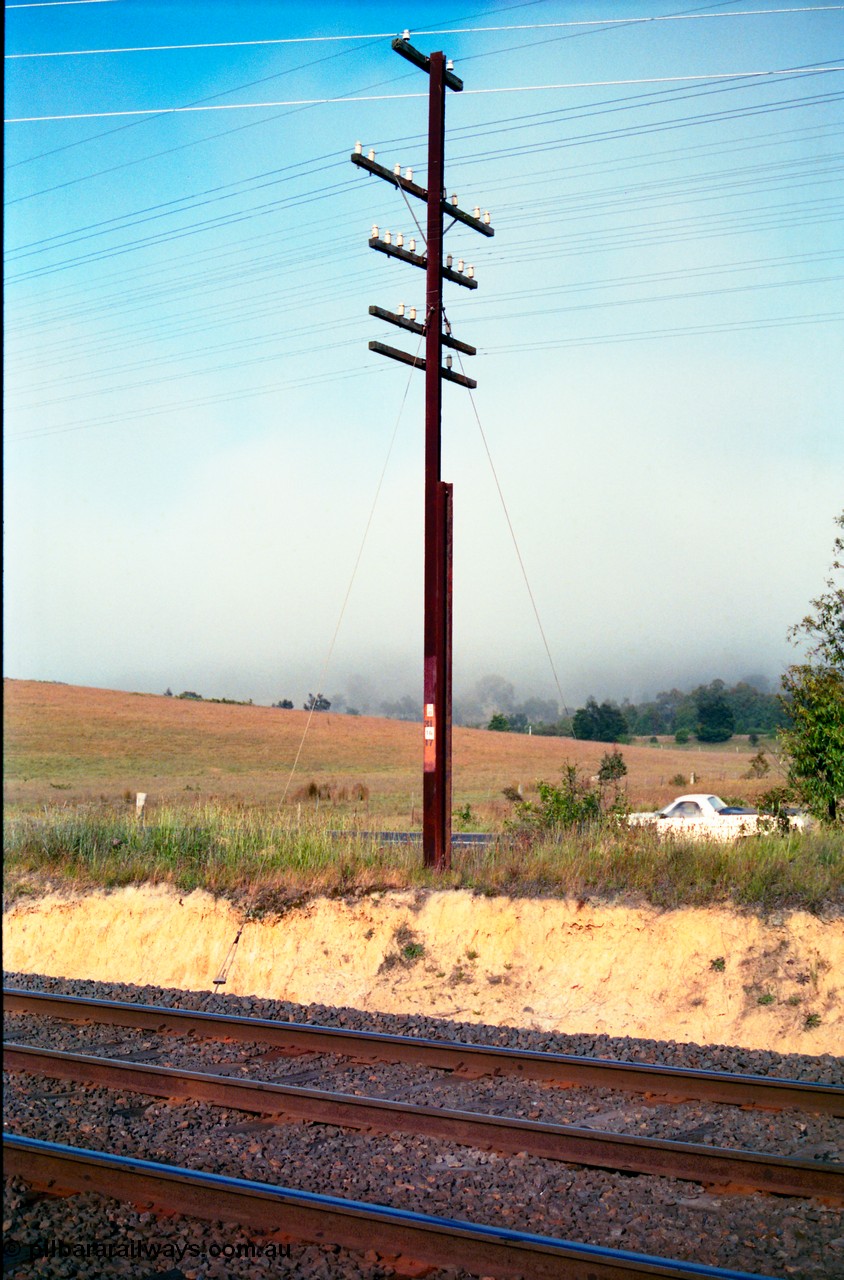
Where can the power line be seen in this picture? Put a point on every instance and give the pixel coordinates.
(294, 201)
(678, 229)
(178, 406)
(376, 367)
(675, 331)
(209, 224)
(395, 97)
(53, 4)
(355, 567)
(515, 543)
(431, 31)
(180, 283)
(248, 84)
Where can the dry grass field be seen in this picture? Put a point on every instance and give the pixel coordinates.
(217, 816)
(68, 745)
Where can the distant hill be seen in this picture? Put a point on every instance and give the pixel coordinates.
(70, 744)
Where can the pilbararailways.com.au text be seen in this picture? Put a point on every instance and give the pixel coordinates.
(140, 1250)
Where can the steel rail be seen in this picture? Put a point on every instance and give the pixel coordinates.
(353, 1224)
(767, 1092)
(718, 1168)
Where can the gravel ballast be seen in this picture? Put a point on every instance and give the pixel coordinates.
(764, 1235)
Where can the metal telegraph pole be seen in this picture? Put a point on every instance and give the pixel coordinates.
(436, 752)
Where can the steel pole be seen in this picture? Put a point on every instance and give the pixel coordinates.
(436, 801)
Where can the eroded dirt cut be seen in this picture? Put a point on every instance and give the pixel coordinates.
(708, 975)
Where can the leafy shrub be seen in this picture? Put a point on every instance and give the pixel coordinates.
(759, 765)
(575, 803)
(612, 767)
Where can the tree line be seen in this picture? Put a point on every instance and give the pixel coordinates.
(710, 712)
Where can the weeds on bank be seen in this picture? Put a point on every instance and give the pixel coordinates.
(270, 859)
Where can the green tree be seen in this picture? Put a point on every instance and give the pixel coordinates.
(499, 722)
(612, 767)
(715, 720)
(813, 693)
(604, 723)
(316, 702)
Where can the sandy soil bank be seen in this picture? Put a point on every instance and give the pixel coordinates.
(707, 975)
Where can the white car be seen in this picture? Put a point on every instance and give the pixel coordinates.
(706, 816)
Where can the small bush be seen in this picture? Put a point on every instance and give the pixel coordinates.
(759, 765)
(612, 767)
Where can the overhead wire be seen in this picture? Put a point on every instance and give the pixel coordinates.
(252, 306)
(674, 331)
(509, 125)
(340, 100)
(819, 318)
(586, 207)
(421, 31)
(516, 547)
(208, 138)
(526, 180)
(673, 91)
(355, 567)
(193, 142)
(197, 402)
(182, 146)
(374, 368)
(55, 4)
(472, 158)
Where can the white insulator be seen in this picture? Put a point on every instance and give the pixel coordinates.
(388, 237)
(449, 261)
(400, 239)
(358, 148)
(448, 362)
(470, 272)
(397, 170)
(401, 309)
(374, 232)
(459, 264)
(454, 200)
(411, 244)
(405, 35)
(486, 216)
(413, 313)
(476, 212)
(408, 173)
(449, 66)
(371, 154)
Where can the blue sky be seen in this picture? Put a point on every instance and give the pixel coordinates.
(196, 430)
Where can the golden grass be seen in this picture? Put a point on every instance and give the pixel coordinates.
(215, 776)
(267, 859)
(65, 744)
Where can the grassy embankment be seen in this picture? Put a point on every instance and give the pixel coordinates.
(215, 776)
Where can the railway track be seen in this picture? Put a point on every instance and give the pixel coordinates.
(466, 1059)
(480, 1249)
(716, 1168)
(436, 1241)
